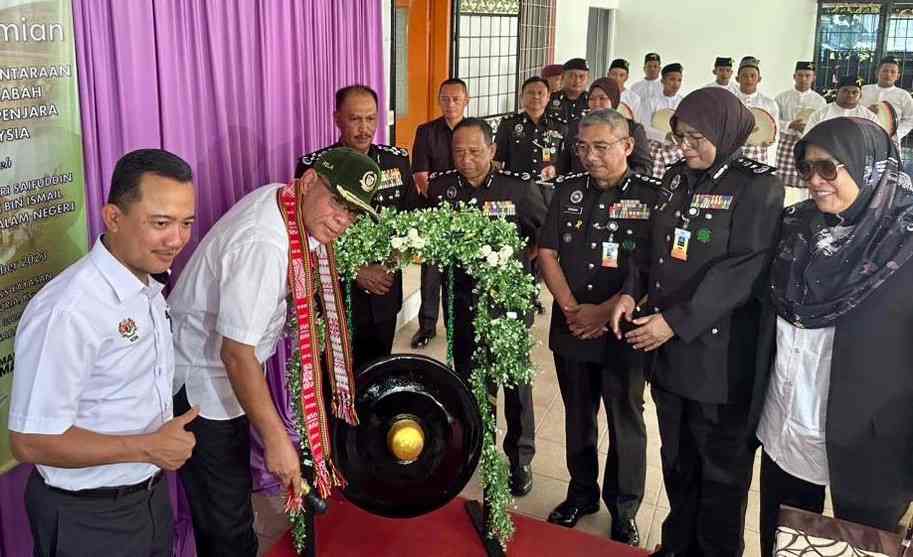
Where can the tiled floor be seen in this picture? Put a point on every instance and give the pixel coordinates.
(549, 468)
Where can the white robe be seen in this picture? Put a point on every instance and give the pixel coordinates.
(792, 102)
(732, 87)
(646, 88)
(899, 98)
(832, 111)
(651, 105)
(633, 101)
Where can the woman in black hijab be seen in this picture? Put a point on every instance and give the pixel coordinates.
(839, 406)
(712, 240)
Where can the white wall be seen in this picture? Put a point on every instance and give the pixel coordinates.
(571, 24)
(695, 32)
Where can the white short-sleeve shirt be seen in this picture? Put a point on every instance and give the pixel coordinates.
(234, 286)
(94, 351)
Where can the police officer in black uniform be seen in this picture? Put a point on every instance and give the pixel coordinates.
(377, 294)
(570, 103)
(530, 140)
(498, 193)
(597, 226)
(712, 239)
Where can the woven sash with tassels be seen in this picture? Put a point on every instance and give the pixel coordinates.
(337, 352)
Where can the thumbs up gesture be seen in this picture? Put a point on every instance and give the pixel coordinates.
(172, 444)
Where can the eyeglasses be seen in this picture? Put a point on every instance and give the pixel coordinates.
(826, 169)
(689, 140)
(582, 149)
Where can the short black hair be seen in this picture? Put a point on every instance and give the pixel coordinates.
(343, 94)
(533, 79)
(454, 81)
(125, 182)
(479, 124)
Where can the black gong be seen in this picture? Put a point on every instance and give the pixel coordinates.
(418, 394)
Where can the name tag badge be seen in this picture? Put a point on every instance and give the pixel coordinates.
(680, 244)
(610, 255)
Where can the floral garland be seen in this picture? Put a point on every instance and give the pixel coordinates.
(487, 249)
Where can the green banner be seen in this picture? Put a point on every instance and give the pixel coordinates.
(42, 185)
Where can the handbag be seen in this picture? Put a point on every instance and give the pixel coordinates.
(811, 535)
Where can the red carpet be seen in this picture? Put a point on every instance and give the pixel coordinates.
(347, 531)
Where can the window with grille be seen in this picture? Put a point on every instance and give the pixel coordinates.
(497, 45)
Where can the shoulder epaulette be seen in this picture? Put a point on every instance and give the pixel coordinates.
(441, 173)
(521, 175)
(648, 179)
(753, 166)
(398, 151)
(310, 158)
(566, 177)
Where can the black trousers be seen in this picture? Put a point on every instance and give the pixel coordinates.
(707, 464)
(218, 483)
(779, 487)
(583, 385)
(520, 441)
(431, 298)
(138, 524)
(372, 341)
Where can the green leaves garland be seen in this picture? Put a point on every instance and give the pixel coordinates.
(487, 249)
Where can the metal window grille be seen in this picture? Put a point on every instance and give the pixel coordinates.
(497, 45)
(852, 37)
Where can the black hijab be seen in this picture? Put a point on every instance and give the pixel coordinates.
(719, 116)
(826, 265)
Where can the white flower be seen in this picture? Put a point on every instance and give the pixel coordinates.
(413, 234)
(418, 243)
(397, 242)
(506, 253)
(511, 315)
(493, 259)
(484, 251)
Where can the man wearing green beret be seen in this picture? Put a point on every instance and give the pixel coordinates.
(268, 257)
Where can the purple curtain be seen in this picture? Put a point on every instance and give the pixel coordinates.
(239, 89)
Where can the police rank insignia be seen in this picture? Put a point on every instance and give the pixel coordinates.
(451, 192)
(629, 209)
(576, 196)
(499, 208)
(676, 180)
(711, 201)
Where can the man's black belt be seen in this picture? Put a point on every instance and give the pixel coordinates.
(112, 492)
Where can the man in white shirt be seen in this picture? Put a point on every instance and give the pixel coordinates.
(619, 70)
(886, 91)
(795, 105)
(749, 77)
(650, 85)
(722, 69)
(230, 306)
(91, 397)
(668, 98)
(847, 105)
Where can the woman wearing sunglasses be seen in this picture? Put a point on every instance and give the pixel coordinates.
(712, 239)
(839, 405)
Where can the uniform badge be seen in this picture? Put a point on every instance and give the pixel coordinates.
(567, 237)
(680, 244)
(518, 130)
(127, 329)
(451, 192)
(676, 180)
(556, 103)
(368, 182)
(610, 255)
(628, 245)
(576, 196)
(703, 235)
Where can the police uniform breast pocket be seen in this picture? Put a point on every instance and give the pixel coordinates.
(710, 220)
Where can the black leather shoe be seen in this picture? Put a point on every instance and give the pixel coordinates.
(568, 513)
(521, 480)
(625, 531)
(421, 338)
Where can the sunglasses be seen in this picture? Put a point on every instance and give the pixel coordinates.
(826, 169)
